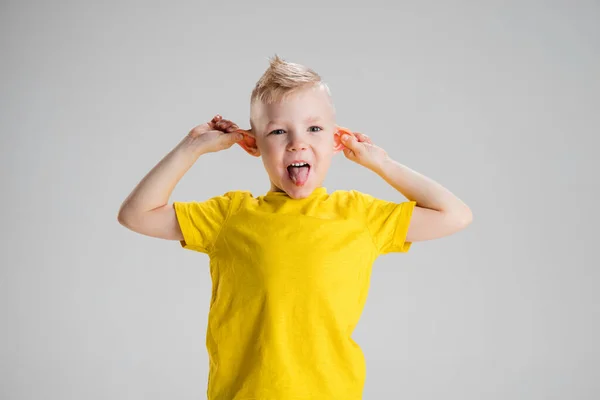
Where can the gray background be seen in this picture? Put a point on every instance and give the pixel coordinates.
(498, 101)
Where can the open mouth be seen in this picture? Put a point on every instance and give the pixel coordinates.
(298, 172)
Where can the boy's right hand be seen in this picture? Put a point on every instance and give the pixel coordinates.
(215, 135)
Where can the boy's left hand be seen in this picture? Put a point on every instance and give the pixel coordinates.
(360, 149)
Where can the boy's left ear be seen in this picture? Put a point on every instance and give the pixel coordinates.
(337, 138)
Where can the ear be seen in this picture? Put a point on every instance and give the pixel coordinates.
(248, 143)
(337, 138)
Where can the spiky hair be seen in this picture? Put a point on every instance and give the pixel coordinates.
(283, 78)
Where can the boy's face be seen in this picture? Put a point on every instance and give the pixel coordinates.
(300, 130)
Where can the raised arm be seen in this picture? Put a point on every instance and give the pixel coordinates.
(146, 210)
(438, 211)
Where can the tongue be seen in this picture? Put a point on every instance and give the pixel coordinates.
(298, 175)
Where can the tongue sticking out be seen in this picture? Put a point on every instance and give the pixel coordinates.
(298, 175)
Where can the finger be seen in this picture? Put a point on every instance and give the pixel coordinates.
(229, 125)
(362, 137)
(213, 122)
(223, 124)
(233, 127)
(244, 131)
(349, 154)
(233, 137)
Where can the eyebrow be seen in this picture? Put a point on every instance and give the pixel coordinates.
(312, 119)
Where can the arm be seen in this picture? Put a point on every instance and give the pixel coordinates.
(438, 212)
(146, 209)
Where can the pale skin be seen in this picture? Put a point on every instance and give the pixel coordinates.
(302, 127)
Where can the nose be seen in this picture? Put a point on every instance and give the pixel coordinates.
(297, 142)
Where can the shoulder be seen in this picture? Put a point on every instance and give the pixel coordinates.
(237, 194)
(238, 199)
(234, 195)
(224, 202)
(353, 202)
(356, 197)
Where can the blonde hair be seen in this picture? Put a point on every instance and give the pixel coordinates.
(283, 78)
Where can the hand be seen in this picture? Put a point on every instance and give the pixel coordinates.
(360, 149)
(216, 135)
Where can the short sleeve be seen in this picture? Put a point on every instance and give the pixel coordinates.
(387, 222)
(202, 221)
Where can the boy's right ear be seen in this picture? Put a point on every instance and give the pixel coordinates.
(248, 143)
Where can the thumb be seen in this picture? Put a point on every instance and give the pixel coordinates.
(233, 137)
(350, 142)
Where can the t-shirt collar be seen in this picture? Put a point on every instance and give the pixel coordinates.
(318, 191)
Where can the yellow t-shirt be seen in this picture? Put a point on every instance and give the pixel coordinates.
(290, 280)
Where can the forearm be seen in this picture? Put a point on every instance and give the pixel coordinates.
(155, 189)
(417, 187)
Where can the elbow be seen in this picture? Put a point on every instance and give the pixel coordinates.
(124, 216)
(458, 219)
(464, 217)
(121, 218)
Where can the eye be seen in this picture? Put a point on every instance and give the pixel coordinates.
(277, 132)
(318, 127)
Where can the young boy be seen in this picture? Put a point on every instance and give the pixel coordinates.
(290, 268)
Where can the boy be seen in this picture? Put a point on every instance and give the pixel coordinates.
(290, 268)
